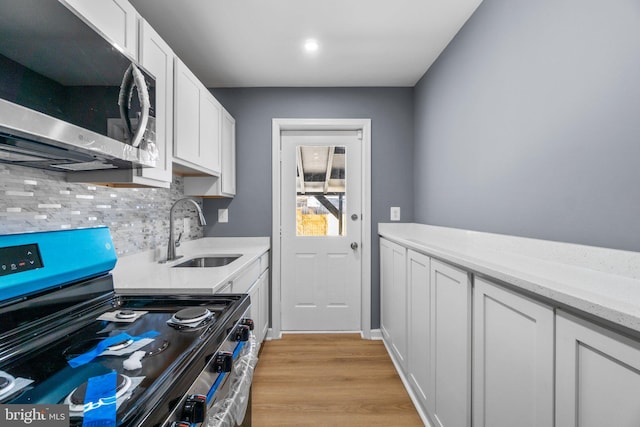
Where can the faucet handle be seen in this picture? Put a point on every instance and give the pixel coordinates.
(177, 244)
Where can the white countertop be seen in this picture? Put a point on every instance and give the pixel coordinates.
(598, 281)
(142, 274)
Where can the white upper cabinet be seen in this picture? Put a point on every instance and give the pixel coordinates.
(115, 19)
(157, 57)
(186, 115)
(198, 117)
(228, 177)
(225, 184)
(210, 128)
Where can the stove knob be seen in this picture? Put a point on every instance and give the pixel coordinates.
(222, 362)
(247, 322)
(195, 409)
(241, 333)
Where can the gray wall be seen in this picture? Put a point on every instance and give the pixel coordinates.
(529, 124)
(391, 114)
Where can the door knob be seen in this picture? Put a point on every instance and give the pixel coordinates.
(354, 245)
(354, 217)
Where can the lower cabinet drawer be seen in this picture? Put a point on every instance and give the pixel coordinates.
(243, 282)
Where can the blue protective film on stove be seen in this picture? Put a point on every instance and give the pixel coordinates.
(100, 401)
(67, 256)
(102, 346)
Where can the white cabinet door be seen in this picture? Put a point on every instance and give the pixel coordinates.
(197, 125)
(157, 57)
(225, 184)
(393, 299)
(418, 343)
(115, 19)
(450, 341)
(228, 176)
(259, 294)
(254, 311)
(210, 118)
(512, 359)
(597, 375)
(186, 115)
(264, 305)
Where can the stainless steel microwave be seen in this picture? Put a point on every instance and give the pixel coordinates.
(69, 99)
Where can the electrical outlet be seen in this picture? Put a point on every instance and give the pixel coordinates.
(223, 215)
(395, 213)
(186, 228)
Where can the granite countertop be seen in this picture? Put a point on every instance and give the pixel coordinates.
(143, 274)
(601, 282)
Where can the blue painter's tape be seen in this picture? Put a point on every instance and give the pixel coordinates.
(67, 256)
(215, 386)
(236, 351)
(100, 401)
(221, 376)
(87, 357)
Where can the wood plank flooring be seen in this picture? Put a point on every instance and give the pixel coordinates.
(328, 380)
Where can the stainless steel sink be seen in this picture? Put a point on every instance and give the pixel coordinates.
(209, 261)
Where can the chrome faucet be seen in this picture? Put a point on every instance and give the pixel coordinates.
(171, 249)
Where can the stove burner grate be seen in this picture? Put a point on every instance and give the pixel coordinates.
(7, 382)
(191, 318)
(126, 314)
(75, 399)
(82, 347)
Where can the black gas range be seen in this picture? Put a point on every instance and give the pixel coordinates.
(114, 360)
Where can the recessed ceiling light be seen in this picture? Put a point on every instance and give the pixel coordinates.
(311, 45)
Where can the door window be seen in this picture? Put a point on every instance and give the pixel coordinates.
(321, 191)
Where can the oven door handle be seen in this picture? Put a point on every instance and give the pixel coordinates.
(232, 408)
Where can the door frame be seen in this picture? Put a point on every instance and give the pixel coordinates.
(277, 126)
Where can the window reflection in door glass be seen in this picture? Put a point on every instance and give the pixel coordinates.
(321, 199)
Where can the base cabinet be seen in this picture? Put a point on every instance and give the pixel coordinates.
(475, 352)
(264, 306)
(597, 375)
(450, 342)
(419, 289)
(513, 359)
(259, 294)
(393, 303)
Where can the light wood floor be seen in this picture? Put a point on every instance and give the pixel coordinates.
(328, 380)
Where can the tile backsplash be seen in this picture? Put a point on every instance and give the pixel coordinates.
(39, 200)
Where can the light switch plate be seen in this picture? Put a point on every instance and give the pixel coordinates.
(223, 215)
(186, 226)
(395, 213)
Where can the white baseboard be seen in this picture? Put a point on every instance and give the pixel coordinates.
(414, 399)
(376, 334)
(269, 336)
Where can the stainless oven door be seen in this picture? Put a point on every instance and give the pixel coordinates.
(220, 396)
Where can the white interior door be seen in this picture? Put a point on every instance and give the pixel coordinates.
(321, 214)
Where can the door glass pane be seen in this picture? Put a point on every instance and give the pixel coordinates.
(321, 198)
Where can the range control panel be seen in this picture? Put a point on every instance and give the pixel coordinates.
(15, 259)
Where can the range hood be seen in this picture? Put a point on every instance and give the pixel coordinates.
(33, 139)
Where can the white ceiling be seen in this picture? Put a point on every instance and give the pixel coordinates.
(259, 43)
